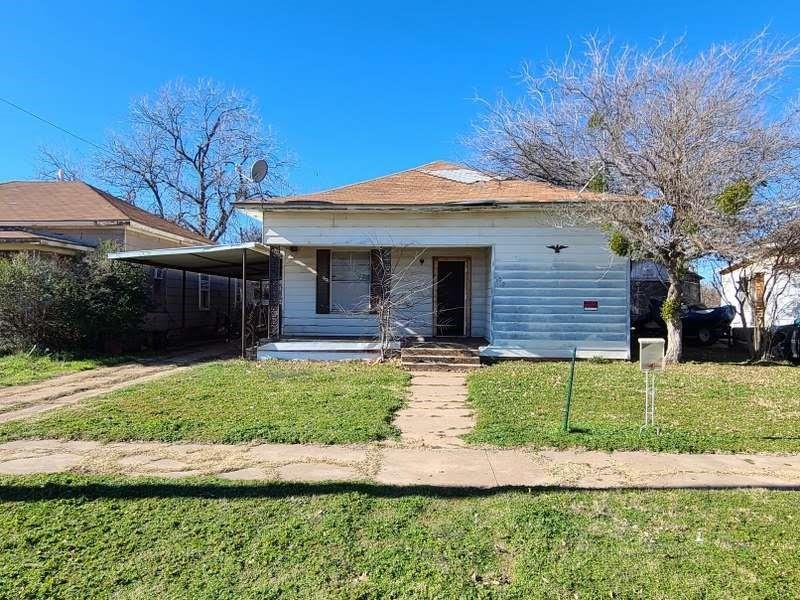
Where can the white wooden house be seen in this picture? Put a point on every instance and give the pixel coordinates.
(773, 299)
(491, 264)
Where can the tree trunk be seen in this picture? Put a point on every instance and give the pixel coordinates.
(673, 321)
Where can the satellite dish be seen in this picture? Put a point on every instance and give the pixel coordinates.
(259, 170)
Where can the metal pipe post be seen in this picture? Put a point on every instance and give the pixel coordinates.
(568, 392)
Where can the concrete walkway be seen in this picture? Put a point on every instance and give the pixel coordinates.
(437, 414)
(399, 466)
(22, 401)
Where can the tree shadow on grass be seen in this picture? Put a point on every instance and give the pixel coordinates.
(66, 487)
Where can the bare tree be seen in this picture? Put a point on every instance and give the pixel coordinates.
(400, 295)
(709, 294)
(184, 154)
(248, 232)
(59, 166)
(664, 145)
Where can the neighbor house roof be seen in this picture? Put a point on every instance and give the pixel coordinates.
(435, 183)
(64, 202)
(20, 237)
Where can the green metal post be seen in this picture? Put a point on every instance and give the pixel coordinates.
(568, 392)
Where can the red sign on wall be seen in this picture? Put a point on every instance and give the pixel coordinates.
(590, 305)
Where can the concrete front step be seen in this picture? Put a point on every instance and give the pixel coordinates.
(437, 358)
(440, 366)
(455, 352)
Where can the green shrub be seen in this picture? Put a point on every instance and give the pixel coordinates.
(114, 298)
(37, 299)
(66, 303)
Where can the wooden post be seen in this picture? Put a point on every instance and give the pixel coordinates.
(244, 301)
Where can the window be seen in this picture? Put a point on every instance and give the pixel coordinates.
(350, 278)
(159, 295)
(203, 291)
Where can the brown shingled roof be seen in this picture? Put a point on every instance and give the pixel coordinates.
(64, 201)
(435, 183)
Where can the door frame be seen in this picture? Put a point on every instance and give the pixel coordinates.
(467, 260)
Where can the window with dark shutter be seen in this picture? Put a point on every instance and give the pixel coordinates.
(350, 282)
(323, 282)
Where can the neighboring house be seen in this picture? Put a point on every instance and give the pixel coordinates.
(62, 218)
(497, 265)
(775, 296)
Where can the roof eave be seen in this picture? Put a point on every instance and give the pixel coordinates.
(433, 207)
(83, 223)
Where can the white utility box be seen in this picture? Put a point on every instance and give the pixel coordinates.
(651, 354)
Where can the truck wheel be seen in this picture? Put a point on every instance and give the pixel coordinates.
(706, 337)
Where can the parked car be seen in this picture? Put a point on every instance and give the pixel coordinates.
(786, 342)
(707, 325)
(701, 325)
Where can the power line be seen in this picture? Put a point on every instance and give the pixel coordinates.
(43, 120)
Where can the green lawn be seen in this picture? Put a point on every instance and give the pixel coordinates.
(237, 401)
(700, 407)
(83, 538)
(17, 369)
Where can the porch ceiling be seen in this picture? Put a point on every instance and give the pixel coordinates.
(222, 260)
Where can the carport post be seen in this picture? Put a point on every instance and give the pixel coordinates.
(244, 299)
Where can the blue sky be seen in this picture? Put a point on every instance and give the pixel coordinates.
(354, 90)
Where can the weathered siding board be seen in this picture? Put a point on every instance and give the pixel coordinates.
(545, 308)
(531, 299)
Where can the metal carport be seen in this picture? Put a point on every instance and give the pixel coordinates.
(249, 261)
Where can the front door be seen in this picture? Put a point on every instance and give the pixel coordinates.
(451, 296)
